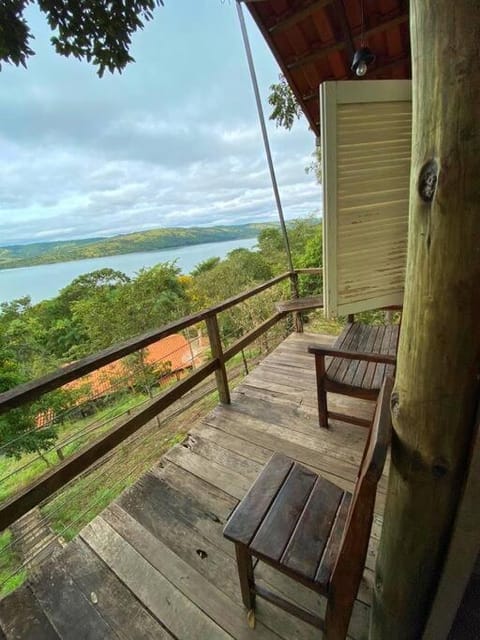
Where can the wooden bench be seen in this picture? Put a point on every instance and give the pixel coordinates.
(355, 365)
(310, 529)
(299, 304)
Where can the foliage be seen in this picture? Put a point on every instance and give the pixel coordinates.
(285, 108)
(284, 112)
(240, 269)
(99, 32)
(305, 237)
(205, 265)
(10, 577)
(18, 434)
(112, 314)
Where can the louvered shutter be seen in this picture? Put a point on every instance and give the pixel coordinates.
(366, 149)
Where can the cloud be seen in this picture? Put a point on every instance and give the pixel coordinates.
(176, 144)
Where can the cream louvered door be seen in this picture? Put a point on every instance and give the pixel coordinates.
(366, 148)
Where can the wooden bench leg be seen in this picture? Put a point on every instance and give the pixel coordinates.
(321, 393)
(245, 573)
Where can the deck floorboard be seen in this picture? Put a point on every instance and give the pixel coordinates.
(155, 564)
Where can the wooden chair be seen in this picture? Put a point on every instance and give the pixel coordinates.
(358, 362)
(310, 529)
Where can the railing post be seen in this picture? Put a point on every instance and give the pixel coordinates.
(297, 316)
(217, 352)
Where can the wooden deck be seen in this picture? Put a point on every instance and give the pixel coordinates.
(155, 563)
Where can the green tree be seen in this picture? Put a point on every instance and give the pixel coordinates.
(239, 270)
(18, 432)
(204, 266)
(68, 336)
(305, 237)
(25, 336)
(97, 31)
(111, 314)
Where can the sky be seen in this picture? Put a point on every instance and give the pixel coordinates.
(172, 141)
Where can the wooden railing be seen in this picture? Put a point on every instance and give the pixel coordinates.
(53, 480)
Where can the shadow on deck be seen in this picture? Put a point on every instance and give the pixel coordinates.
(155, 564)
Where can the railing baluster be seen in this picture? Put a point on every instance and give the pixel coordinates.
(217, 352)
(298, 322)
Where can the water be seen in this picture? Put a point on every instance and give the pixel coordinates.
(46, 280)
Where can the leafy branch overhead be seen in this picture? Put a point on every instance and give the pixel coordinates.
(95, 30)
(285, 106)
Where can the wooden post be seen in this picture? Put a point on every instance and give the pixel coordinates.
(297, 316)
(433, 403)
(217, 352)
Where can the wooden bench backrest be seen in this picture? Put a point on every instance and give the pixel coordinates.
(353, 549)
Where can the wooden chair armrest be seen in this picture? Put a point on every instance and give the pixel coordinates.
(336, 352)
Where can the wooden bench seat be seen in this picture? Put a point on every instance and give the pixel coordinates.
(355, 365)
(299, 304)
(310, 529)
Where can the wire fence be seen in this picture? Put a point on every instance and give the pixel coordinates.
(78, 501)
(103, 480)
(81, 429)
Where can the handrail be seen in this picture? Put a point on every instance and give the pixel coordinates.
(35, 388)
(54, 479)
(48, 483)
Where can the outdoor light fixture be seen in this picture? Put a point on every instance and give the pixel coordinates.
(363, 56)
(361, 60)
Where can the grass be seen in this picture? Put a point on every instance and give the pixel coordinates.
(79, 503)
(9, 562)
(317, 323)
(16, 474)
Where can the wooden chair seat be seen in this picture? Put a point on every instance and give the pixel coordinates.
(308, 528)
(293, 519)
(360, 374)
(356, 365)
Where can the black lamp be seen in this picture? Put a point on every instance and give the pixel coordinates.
(361, 60)
(363, 55)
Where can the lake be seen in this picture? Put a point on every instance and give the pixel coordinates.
(46, 280)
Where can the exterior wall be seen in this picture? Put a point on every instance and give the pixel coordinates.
(366, 147)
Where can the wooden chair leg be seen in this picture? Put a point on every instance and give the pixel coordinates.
(337, 618)
(322, 408)
(321, 393)
(245, 574)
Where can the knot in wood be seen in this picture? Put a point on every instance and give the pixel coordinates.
(428, 179)
(439, 468)
(395, 404)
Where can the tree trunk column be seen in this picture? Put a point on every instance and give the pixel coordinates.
(433, 403)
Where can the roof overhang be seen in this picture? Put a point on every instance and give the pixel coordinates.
(314, 41)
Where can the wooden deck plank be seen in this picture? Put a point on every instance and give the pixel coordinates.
(233, 483)
(117, 605)
(180, 525)
(71, 613)
(157, 561)
(22, 617)
(177, 612)
(201, 547)
(323, 455)
(209, 597)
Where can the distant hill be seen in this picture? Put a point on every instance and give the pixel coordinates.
(153, 240)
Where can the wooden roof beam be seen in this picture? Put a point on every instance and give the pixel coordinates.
(326, 51)
(308, 97)
(345, 27)
(294, 15)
